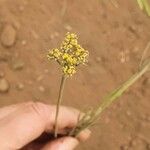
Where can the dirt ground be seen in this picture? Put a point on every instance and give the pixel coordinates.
(114, 34)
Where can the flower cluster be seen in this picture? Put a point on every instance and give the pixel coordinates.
(69, 55)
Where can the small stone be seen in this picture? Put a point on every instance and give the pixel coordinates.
(98, 59)
(54, 35)
(39, 78)
(4, 86)
(23, 42)
(20, 86)
(35, 34)
(41, 89)
(67, 27)
(21, 8)
(17, 65)
(128, 113)
(8, 36)
(122, 60)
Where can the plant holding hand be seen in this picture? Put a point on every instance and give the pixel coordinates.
(69, 56)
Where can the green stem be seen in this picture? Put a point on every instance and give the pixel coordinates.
(119, 91)
(109, 99)
(63, 79)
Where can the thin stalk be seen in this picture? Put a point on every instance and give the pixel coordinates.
(144, 53)
(108, 100)
(119, 91)
(63, 79)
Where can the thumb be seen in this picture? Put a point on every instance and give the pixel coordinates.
(64, 143)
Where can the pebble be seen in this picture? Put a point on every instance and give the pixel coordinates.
(4, 86)
(67, 27)
(21, 8)
(34, 34)
(8, 36)
(20, 86)
(17, 65)
(98, 59)
(128, 113)
(39, 78)
(41, 89)
(23, 42)
(54, 35)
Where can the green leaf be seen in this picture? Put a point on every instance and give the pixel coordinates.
(147, 7)
(140, 4)
(144, 5)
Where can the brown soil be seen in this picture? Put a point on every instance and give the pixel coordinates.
(115, 38)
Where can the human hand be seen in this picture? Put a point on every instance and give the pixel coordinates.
(28, 126)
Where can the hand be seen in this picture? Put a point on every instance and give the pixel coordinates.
(30, 125)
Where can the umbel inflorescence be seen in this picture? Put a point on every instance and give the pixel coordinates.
(69, 55)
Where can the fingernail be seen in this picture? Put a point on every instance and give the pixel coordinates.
(84, 135)
(69, 143)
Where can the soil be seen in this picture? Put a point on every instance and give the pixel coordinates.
(115, 35)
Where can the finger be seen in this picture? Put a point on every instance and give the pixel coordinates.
(4, 111)
(65, 143)
(84, 135)
(27, 123)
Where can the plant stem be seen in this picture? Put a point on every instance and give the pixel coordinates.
(120, 90)
(108, 100)
(63, 79)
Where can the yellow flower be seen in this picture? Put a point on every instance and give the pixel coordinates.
(69, 70)
(69, 55)
(54, 54)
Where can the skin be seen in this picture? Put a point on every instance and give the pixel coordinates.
(29, 126)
